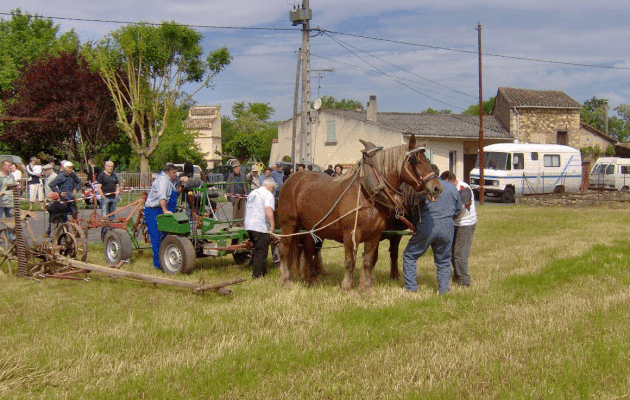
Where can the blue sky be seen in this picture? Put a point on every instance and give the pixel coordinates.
(405, 77)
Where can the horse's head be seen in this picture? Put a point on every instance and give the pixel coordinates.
(417, 171)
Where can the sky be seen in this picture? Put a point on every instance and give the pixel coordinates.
(413, 54)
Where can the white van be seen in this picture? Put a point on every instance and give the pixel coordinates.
(610, 173)
(516, 169)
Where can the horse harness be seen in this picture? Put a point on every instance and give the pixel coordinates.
(383, 192)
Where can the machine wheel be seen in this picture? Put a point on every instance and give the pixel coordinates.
(73, 241)
(507, 196)
(177, 255)
(244, 258)
(117, 246)
(624, 189)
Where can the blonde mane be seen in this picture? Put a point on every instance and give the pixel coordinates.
(389, 161)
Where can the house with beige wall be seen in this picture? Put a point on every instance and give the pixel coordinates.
(451, 139)
(206, 120)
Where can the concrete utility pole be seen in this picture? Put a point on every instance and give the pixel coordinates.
(481, 155)
(295, 107)
(302, 16)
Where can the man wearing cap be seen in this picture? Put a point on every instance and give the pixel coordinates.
(277, 175)
(260, 224)
(66, 184)
(162, 199)
(236, 192)
(254, 177)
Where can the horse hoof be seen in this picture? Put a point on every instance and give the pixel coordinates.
(286, 282)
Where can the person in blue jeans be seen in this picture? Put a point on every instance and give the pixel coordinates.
(162, 199)
(108, 186)
(6, 195)
(435, 229)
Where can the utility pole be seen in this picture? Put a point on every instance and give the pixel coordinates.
(295, 107)
(481, 155)
(302, 16)
(320, 74)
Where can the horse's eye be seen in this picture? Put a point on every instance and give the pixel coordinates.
(413, 160)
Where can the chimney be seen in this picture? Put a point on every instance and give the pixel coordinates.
(371, 109)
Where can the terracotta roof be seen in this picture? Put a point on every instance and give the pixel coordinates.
(537, 98)
(598, 132)
(433, 125)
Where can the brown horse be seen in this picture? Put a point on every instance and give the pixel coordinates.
(353, 208)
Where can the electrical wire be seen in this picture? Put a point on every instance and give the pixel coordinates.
(473, 52)
(393, 77)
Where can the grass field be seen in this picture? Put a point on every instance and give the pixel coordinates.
(546, 317)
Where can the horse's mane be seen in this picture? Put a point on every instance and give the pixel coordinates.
(389, 161)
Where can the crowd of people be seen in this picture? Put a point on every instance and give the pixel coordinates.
(446, 225)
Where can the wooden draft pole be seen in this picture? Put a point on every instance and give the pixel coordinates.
(481, 155)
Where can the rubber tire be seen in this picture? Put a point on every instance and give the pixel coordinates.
(507, 196)
(624, 189)
(244, 258)
(177, 255)
(117, 246)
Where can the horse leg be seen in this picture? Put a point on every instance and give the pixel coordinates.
(350, 260)
(370, 256)
(319, 263)
(394, 245)
(310, 275)
(287, 258)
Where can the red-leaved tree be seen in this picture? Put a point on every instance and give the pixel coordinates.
(70, 97)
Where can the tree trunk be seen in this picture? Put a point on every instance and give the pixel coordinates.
(144, 164)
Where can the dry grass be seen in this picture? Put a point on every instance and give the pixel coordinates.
(545, 318)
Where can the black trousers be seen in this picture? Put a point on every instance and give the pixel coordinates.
(261, 249)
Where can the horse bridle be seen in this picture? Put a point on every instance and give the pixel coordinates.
(418, 181)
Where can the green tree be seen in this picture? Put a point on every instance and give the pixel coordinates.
(250, 132)
(156, 61)
(25, 38)
(343, 104)
(432, 111)
(488, 106)
(593, 113)
(177, 144)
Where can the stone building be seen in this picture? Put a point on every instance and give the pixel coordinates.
(206, 120)
(546, 116)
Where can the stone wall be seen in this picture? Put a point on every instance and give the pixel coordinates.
(590, 198)
(540, 125)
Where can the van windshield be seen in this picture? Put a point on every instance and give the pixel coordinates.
(599, 169)
(496, 161)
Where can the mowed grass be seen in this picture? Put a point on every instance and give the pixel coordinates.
(546, 317)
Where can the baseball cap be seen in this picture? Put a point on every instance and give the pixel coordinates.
(278, 164)
(47, 166)
(255, 168)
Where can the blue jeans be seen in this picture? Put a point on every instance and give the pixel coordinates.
(108, 206)
(440, 237)
(6, 211)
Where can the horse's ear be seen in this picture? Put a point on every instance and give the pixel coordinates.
(368, 145)
(412, 141)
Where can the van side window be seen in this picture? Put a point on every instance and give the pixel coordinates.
(519, 161)
(551, 160)
(625, 169)
(534, 156)
(610, 169)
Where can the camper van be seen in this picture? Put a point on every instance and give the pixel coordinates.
(515, 170)
(610, 173)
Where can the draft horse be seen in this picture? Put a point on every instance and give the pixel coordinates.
(352, 208)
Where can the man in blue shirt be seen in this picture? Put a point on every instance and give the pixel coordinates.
(435, 229)
(66, 184)
(277, 175)
(162, 199)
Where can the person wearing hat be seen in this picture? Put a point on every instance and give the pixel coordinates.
(67, 183)
(236, 192)
(277, 175)
(57, 211)
(48, 175)
(254, 177)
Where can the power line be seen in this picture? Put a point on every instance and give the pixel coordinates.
(380, 73)
(156, 24)
(402, 69)
(392, 77)
(473, 52)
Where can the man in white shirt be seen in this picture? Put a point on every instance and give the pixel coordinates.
(464, 230)
(259, 224)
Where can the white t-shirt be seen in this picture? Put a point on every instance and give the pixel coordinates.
(470, 216)
(257, 200)
(17, 175)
